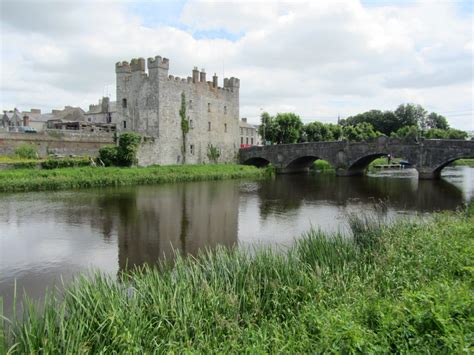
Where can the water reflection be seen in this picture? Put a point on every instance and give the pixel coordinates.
(47, 236)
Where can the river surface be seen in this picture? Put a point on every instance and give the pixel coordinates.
(46, 237)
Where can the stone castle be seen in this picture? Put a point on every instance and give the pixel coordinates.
(150, 103)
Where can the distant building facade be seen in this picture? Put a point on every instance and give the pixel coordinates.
(150, 102)
(248, 134)
(104, 112)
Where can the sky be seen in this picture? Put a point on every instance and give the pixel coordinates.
(319, 59)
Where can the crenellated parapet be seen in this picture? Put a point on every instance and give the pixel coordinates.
(122, 67)
(137, 65)
(232, 83)
(158, 62)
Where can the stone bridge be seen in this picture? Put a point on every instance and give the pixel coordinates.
(428, 156)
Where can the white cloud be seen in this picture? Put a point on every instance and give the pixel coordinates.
(320, 59)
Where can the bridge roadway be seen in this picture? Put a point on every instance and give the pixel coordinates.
(428, 156)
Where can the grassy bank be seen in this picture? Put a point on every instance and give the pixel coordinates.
(403, 288)
(464, 162)
(72, 178)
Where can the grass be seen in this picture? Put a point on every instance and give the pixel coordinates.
(401, 288)
(463, 162)
(72, 178)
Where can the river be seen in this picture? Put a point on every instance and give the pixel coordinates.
(46, 237)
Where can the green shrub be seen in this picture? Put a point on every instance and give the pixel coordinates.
(25, 165)
(26, 151)
(64, 163)
(125, 154)
(213, 153)
(128, 148)
(108, 155)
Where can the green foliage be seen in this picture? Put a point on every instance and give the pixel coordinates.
(436, 133)
(384, 122)
(125, 154)
(25, 165)
(362, 132)
(213, 153)
(64, 163)
(284, 128)
(184, 125)
(404, 288)
(456, 134)
(322, 166)
(435, 120)
(108, 155)
(84, 177)
(318, 131)
(26, 151)
(411, 115)
(182, 115)
(127, 148)
(407, 132)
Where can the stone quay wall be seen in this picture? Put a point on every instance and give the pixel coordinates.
(56, 142)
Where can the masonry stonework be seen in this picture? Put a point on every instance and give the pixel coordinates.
(149, 103)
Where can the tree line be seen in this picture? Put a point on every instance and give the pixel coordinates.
(408, 121)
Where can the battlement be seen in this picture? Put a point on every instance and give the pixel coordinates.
(231, 83)
(153, 63)
(137, 64)
(122, 67)
(158, 62)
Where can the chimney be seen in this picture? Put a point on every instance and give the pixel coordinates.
(214, 80)
(244, 119)
(36, 110)
(26, 120)
(202, 76)
(195, 75)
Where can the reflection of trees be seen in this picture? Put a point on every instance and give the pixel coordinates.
(288, 192)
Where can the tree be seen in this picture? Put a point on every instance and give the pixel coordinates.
(436, 133)
(360, 132)
(287, 128)
(407, 132)
(435, 120)
(266, 129)
(318, 131)
(411, 115)
(456, 134)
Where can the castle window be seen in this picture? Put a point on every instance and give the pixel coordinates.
(209, 126)
(191, 148)
(208, 107)
(225, 110)
(190, 104)
(191, 125)
(124, 124)
(225, 127)
(124, 103)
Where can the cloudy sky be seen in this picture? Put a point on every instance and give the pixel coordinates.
(319, 59)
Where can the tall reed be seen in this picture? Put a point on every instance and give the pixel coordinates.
(406, 288)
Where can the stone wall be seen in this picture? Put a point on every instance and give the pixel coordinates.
(149, 103)
(56, 142)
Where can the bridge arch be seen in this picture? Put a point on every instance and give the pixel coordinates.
(257, 161)
(359, 166)
(445, 163)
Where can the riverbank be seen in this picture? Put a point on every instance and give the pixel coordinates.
(400, 288)
(84, 177)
